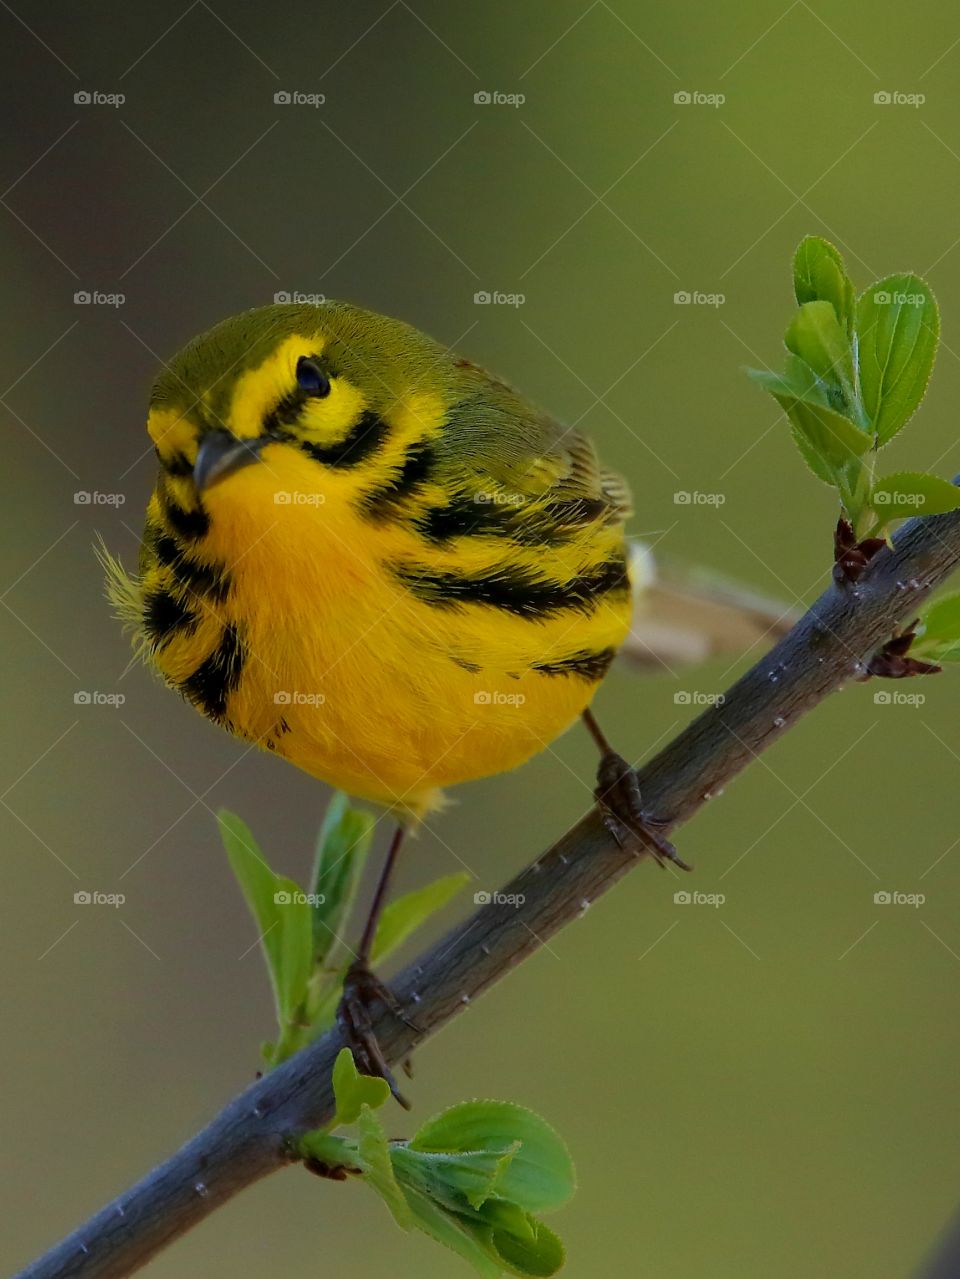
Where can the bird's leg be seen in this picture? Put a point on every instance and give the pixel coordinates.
(362, 988)
(621, 805)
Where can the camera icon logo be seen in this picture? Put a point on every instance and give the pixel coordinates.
(882, 698)
(882, 98)
(82, 498)
(681, 498)
(82, 298)
(482, 98)
(282, 498)
(282, 98)
(82, 699)
(882, 298)
(82, 98)
(282, 898)
(482, 698)
(282, 698)
(682, 298)
(482, 298)
(81, 898)
(682, 698)
(682, 98)
(882, 899)
(282, 296)
(682, 898)
(482, 898)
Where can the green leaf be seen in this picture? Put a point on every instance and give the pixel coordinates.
(342, 846)
(819, 275)
(898, 326)
(830, 443)
(375, 1160)
(544, 1254)
(938, 638)
(281, 914)
(403, 916)
(353, 1091)
(816, 337)
(455, 1180)
(540, 1175)
(906, 493)
(467, 1239)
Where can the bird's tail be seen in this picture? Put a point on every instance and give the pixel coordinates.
(683, 616)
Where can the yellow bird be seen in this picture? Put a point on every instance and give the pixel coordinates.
(380, 562)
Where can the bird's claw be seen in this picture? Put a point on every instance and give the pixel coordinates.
(621, 808)
(361, 989)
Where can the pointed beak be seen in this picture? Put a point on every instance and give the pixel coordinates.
(220, 454)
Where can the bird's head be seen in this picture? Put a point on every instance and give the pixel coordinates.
(290, 394)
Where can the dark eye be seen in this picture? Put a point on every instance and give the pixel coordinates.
(311, 378)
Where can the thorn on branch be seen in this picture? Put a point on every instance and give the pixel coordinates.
(891, 661)
(850, 556)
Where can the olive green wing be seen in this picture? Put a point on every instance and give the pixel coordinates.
(499, 449)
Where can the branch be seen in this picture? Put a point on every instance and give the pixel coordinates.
(254, 1134)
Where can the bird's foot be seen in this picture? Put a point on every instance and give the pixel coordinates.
(621, 807)
(362, 989)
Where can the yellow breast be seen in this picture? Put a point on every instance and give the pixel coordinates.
(349, 649)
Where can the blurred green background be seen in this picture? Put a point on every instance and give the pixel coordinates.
(768, 1087)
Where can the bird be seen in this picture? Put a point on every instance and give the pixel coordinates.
(371, 557)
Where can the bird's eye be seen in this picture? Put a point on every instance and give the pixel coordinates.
(311, 378)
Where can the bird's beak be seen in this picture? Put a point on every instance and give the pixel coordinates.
(220, 454)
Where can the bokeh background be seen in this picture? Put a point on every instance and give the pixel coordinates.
(766, 1087)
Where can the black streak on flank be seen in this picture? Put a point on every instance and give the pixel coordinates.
(584, 665)
(552, 524)
(466, 517)
(165, 616)
(363, 439)
(209, 580)
(217, 677)
(472, 667)
(387, 499)
(514, 590)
